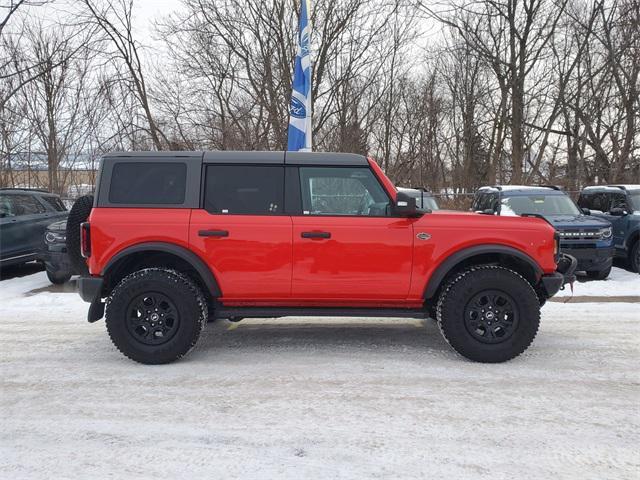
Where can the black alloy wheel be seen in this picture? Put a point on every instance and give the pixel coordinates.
(152, 318)
(491, 316)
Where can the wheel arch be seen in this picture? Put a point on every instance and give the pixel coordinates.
(482, 255)
(150, 254)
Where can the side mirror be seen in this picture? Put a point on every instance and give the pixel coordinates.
(586, 211)
(405, 206)
(617, 212)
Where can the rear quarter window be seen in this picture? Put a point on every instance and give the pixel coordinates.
(148, 183)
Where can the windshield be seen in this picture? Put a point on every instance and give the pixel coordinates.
(539, 204)
(635, 200)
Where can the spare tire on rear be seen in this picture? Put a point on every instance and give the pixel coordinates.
(78, 214)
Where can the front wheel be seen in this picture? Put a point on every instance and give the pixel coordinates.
(155, 315)
(634, 257)
(58, 278)
(488, 313)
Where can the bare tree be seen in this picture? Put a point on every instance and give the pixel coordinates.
(114, 19)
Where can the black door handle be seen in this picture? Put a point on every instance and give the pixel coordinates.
(315, 234)
(213, 233)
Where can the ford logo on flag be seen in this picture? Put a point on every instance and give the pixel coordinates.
(298, 109)
(304, 44)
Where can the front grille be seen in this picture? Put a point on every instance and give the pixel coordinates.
(591, 234)
(577, 246)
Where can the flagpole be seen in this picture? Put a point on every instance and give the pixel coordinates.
(300, 114)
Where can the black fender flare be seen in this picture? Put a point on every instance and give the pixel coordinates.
(450, 263)
(188, 256)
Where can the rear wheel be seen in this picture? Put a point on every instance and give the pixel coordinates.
(599, 274)
(155, 315)
(488, 313)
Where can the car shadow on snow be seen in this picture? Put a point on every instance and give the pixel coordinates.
(345, 335)
(67, 287)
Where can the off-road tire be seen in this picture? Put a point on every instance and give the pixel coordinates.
(180, 290)
(58, 278)
(599, 274)
(634, 257)
(459, 291)
(78, 214)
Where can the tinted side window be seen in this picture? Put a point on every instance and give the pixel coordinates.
(55, 203)
(619, 200)
(475, 206)
(342, 191)
(18, 205)
(6, 206)
(596, 201)
(140, 183)
(244, 189)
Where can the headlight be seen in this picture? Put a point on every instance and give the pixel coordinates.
(53, 237)
(606, 232)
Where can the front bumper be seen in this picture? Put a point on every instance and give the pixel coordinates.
(565, 273)
(56, 260)
(590, 259)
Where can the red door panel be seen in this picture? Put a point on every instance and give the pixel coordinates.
(249, 254)
(366, 260)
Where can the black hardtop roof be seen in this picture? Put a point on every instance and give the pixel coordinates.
(254, 157)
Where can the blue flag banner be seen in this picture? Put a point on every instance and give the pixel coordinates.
(299, 138)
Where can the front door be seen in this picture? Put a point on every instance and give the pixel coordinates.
(243, 233)
(347, 248)
(619, 223)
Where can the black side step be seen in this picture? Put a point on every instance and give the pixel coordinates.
(275, 312)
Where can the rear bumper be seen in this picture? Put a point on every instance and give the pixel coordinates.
(565, 273)
(590, 258)
(90, 288)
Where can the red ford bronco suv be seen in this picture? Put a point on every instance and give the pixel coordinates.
(176, 239)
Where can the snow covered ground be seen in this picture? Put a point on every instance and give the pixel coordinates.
(620, 283)
(316, 398)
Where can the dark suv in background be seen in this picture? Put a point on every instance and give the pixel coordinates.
(24, 217)
(620, 205)
(587, 238)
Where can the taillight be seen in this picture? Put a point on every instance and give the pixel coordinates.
(85, 240)
(556, 247)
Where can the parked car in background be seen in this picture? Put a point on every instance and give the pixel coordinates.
(24, 216)
(424, 198)
(55, 255)
(620, 205)
(587, 238)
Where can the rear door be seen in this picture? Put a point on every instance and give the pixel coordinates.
(243, 232)
(347, 248)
